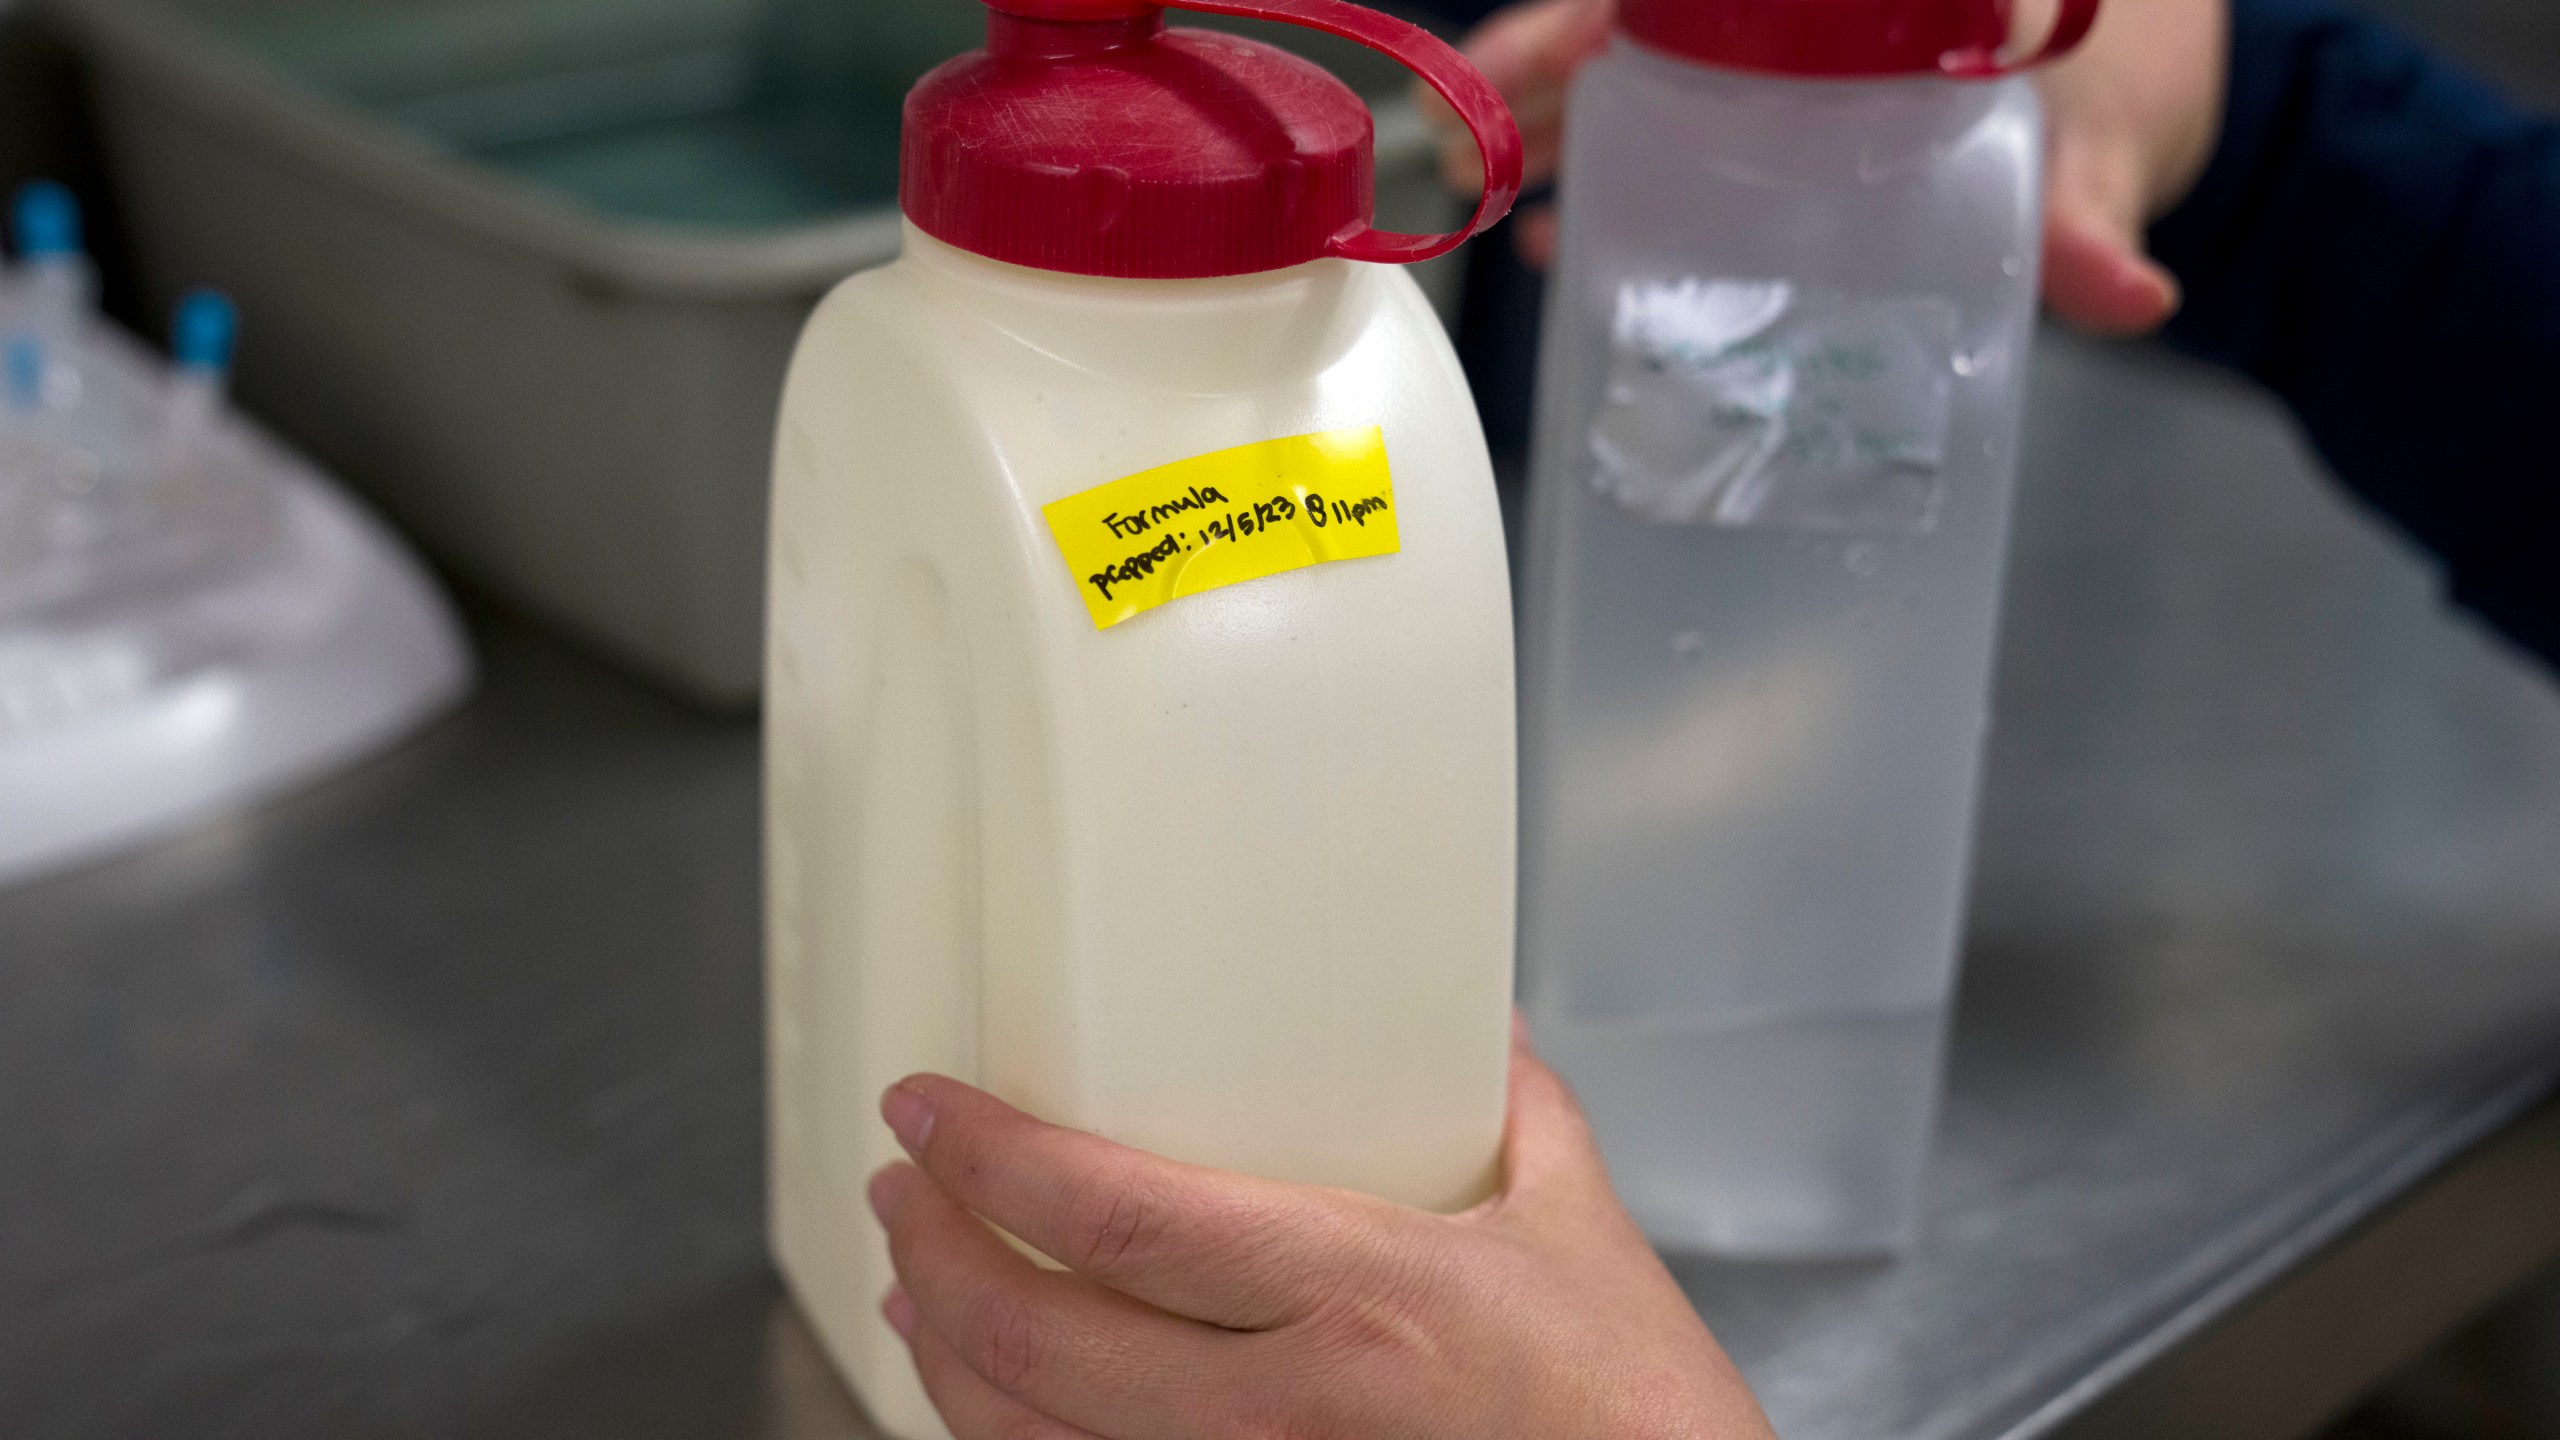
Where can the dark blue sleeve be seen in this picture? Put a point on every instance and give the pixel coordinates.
(2378, 240)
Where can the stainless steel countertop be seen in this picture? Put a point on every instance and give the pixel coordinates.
(427, 1103)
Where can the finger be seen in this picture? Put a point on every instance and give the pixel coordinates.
(1552, 1172)
(1056, 1342)
(1535, 236)
(1530, 52)
(970, 1407)
(1234, 1251)
(1540, 44)
(2096, 275)
(2101, 282)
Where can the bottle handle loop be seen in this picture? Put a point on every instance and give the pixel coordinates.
(1487, 118)
(2071, 25)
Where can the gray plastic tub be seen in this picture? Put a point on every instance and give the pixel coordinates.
(528, 271)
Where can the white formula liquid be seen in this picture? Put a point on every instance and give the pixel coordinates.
(1231, 881)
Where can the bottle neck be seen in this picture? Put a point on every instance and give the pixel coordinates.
(1223, 335)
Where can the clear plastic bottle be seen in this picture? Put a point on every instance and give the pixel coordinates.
(190, 617)
(1785, 351)
(1140, 708)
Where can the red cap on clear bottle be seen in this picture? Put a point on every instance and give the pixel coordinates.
(1089, 138)
(1849, 38)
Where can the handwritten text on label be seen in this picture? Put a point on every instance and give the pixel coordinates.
(1225, 518)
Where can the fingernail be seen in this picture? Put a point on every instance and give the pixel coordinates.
(887, 1195)
(899, 1309)
(910, 1117)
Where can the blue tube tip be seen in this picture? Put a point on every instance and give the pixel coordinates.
(22, 361)
(47, 219)
(207, 328)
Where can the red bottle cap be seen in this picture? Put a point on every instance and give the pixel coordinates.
(1090, 139)
(1845, 38)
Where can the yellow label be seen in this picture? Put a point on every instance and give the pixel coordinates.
(1226, 518)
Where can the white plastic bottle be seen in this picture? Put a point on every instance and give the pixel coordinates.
(1785, 350)
(1140, 709)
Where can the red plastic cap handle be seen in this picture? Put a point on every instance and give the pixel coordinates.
(1416, 49)
(2070, 27)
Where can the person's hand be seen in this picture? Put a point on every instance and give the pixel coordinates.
(1530, 52)
(1197, 1303)
(2132, 115)
(2132, 118)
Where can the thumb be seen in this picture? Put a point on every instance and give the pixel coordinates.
(2096, 273)
(1551, 1165)
(1530, 52)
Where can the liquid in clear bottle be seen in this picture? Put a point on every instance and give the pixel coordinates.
(1786, 345)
